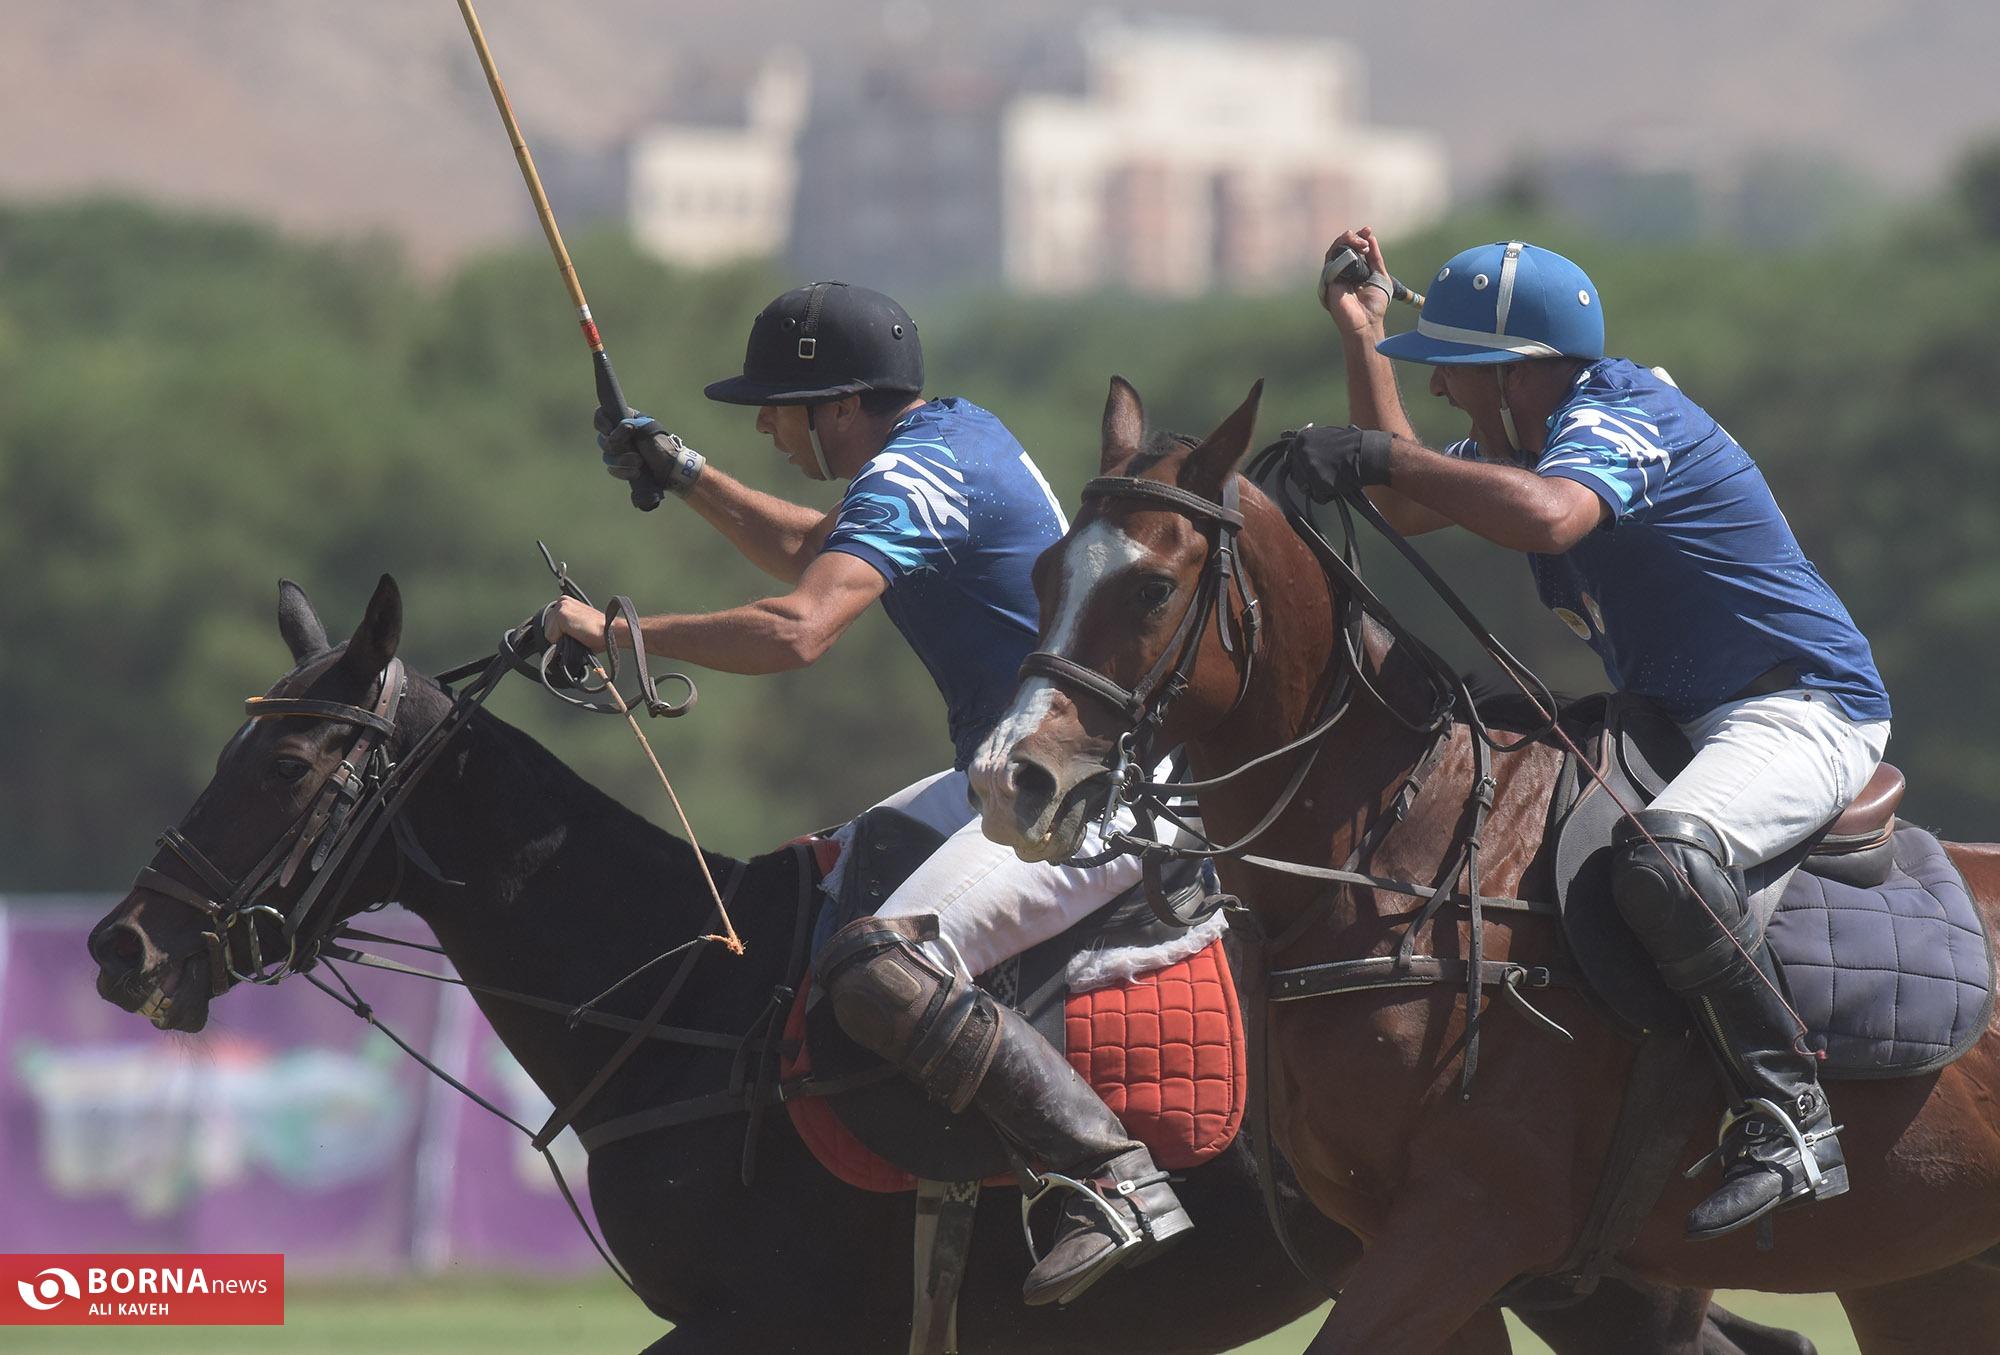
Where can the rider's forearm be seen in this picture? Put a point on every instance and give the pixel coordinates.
(778, 536)
(771, 636)
(1507, 505)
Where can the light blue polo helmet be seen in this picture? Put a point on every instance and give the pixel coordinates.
(1504, 302)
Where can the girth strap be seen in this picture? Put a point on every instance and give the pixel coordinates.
(1386, 971)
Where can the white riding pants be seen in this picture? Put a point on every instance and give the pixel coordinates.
(1769, 770)
(990, 904)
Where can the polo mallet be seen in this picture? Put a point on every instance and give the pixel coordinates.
(609, 397)
(1351, 268)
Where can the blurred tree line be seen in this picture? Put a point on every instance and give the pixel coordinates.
(192, 407)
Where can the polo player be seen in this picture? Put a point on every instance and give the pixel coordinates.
(1654, 537)
(943, 516)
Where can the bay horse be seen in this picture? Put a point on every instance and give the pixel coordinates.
(1452, 1199)
(562, 891)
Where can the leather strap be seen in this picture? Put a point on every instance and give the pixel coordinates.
(1387, 971)
(559, 1120)
(1133, 487)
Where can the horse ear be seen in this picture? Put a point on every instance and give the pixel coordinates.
(1124, 426)
(380, 631)
(305, 634)
(1211, 464)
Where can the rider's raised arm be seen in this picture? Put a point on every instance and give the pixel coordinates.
(778, 536)
(1359, 313)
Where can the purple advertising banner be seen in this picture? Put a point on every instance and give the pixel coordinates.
(286, 1126)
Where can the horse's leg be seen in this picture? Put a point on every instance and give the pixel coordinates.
(1659, 1320)
(1620, 1316)
(1957, 1309)
(1485, 1334)
(1443, 1254)
(1727, 1333)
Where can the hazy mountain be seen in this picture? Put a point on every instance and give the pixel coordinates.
(371, 114)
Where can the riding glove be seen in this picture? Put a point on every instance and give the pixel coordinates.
(638, 450)
(1329, 462)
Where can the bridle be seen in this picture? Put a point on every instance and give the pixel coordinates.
(327, 844)
(1145, 705)
(314, 847)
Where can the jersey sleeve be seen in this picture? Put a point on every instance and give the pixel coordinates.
(903, 514)
(1610, 447)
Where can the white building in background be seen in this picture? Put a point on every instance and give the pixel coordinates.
(1199, 160)
(1182, 159)
(701, 195)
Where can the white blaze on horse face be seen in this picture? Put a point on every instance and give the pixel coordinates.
(1092, 555)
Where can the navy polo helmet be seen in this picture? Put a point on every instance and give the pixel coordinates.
(824, 341)
(1504, 302)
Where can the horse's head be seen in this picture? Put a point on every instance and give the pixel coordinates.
(219, 900)
(1144, 638)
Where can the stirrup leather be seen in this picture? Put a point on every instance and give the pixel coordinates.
(1802, 1142)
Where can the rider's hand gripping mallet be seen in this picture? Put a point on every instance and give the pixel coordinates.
(609, 397)
(1351, 268)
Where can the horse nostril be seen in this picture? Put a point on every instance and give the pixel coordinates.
(1031, 784)
(117, 949)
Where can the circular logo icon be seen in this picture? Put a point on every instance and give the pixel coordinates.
(1574, 622)
(50, 1288)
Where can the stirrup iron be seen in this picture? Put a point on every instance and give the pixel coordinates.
(1045, 1183)
(1801, 1141)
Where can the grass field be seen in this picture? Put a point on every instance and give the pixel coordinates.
(499, 1316)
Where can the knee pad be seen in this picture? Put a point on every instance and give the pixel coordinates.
(893, 1000)
(1687, 931)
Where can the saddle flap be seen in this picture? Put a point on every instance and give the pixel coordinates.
(1639, 751)
(883, 846)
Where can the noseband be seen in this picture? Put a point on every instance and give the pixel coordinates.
(1145, 704)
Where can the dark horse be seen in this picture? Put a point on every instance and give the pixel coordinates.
(1452, 1199)
(564, 891)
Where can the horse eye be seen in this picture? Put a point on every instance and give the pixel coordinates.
(289, 768)
(1153, 593)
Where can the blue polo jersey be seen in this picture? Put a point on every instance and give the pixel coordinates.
(952, 512)
(1695, 584)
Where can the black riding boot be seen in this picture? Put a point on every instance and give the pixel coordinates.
(1117, 1207)
(966, 1050)
(1778, 1142)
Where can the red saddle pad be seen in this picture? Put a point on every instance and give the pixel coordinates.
(1164, 1049)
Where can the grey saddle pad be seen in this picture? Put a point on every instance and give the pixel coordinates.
(1895, 980)
(1892, 981)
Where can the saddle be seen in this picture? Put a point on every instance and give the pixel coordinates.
(1146, 1013)
(1879, 946)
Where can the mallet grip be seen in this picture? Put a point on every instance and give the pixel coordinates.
(1351, 268)
(611, 399)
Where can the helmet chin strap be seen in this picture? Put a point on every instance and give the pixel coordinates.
(1506, 414)
(819, 452)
